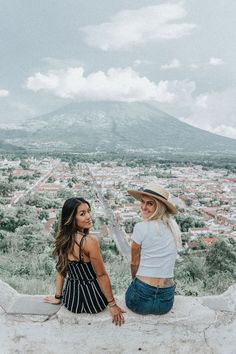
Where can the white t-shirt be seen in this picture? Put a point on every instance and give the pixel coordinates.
(158, 249)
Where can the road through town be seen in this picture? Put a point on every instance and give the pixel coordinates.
(118, 234)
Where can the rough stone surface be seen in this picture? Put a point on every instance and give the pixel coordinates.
(7, 295)
(193, 326)
(224, 302)
(1, 311)
(31, 305)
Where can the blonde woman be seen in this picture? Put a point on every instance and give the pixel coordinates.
(155, 242)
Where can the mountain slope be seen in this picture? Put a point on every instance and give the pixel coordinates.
(108, 126)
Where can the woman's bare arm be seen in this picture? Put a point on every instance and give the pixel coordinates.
(135, 258)
(93, 249)
(59, 287)
(59, 283)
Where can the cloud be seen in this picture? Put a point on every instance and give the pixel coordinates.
(183, 90)
(138, 62)
(175, 63)
(194, 66)
(201, 100)
(215, 112)
(225, 130)
(135, 27)
(4, 93)
(118, 84)
(16, 110)
(215, 61)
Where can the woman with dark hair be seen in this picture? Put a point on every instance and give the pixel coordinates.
(155, 242)
(88, 288)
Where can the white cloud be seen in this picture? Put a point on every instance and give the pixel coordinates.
(40, 81)
(138, 62)
(212, 111)
(4, 93)
(215, 112)
(175, 63)
(201, 100)
(225, 130)
(184, 90)
(117, 84)
(134, 27)
(194, 66)
(215, 61)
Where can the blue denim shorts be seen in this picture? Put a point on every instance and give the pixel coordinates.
(145, 299)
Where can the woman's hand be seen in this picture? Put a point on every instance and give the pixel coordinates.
(117, 315)
(52, 300)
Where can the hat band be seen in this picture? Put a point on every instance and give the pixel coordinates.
(151, 192)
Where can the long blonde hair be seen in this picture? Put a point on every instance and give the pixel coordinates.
(161, 213)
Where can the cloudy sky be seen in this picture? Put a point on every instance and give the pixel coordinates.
(177, 55)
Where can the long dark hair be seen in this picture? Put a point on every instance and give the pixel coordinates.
(65, 238)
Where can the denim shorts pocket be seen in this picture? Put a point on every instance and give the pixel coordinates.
(167, 294)
(166, 300)
(141, 292)
(132, 299)
(135, 302)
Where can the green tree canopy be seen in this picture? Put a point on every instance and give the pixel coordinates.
(222, 257)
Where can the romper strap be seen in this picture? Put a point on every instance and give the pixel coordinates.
(80, 244)
(81, 254)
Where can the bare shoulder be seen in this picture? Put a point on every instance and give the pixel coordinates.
(92, 246)
(92, 240)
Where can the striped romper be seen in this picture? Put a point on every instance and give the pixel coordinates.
(82, 292)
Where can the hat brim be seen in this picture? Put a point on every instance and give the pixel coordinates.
(138, 195)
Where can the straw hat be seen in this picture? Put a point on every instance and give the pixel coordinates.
(157, 192)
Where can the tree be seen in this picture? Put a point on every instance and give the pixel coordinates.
(189, 202)
(192, 268)
(9, 223)
(51, 179)
(64, 193)
(222, 257)
(103, 220)
(74, 179)
(187, 222)
(6, 189)
(25, 164)
(107, 194)
(3, 241)
(42, 201)
(10, 178)
(131, 200)
(43, 215)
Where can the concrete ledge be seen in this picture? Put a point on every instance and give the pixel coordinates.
(31, 305)
(7, 295)
(186, 311)
(205, 325)
(223, 302)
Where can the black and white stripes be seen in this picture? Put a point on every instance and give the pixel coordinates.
(82, 292)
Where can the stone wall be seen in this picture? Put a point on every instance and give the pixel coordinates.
(195, 325)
